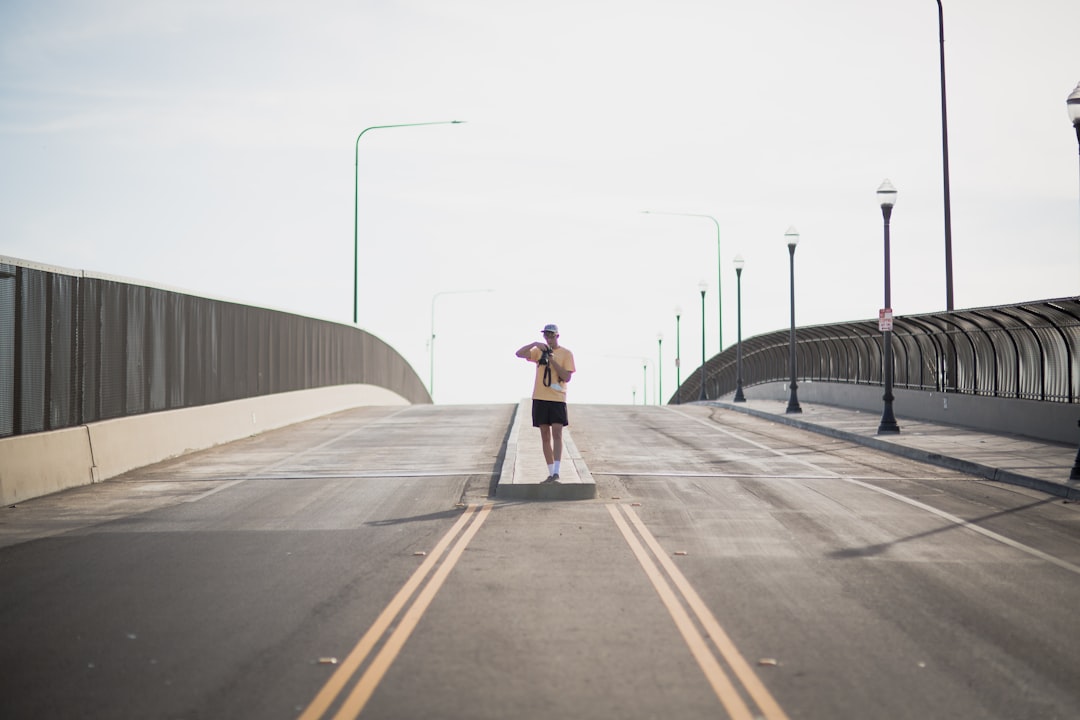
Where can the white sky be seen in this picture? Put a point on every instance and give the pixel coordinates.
(208, 145)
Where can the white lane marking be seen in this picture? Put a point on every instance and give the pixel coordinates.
(1063, 564)
(271, 466)
(227, 483)
(219, 488)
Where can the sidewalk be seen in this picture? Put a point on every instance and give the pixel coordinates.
(1043, 466)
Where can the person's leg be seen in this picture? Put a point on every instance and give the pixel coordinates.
(556, 448)
(545, 441)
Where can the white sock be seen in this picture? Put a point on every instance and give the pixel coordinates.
(551, 469)
(555, 470)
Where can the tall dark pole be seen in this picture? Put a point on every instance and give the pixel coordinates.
(356, 200)
(739, 262)
(644, 382)
(703, 287)
(1072, 104)
(678, 358)
(659, 369)
(1075, 474)
(793, 401)
(887, 196)
(945, 164)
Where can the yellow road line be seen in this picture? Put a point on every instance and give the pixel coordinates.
(358, 698)
(329, 692)
(754, 687)
(715, 675)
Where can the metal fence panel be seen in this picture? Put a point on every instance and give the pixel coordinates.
(76, 349)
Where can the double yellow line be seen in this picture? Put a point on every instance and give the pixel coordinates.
(354, 703)
(669, 587)
(729, 696)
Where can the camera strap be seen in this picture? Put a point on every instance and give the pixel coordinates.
(547, 374)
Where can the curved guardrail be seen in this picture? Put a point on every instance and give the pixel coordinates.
(1026, 351)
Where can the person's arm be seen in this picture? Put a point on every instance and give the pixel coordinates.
(525, 350)
(562, 373)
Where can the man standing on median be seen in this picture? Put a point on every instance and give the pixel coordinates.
(554, 367)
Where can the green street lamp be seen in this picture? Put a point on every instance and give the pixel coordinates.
(356, 200)
(719, 272)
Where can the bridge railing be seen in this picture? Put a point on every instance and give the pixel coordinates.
(76, 348)
(1026, 351)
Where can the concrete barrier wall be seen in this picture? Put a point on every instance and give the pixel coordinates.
(1055, 422)
(42, 463)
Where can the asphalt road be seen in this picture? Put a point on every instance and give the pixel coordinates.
(355, 565)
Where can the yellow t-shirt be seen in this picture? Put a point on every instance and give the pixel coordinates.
(557, 391)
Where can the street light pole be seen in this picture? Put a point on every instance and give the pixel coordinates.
(887, 196)
(1072, 104)
(356, 200)
(945, 165)
(678, 358)
(659, 368)
(702, 286)
(431, 344)
(644, 381)
(793, 406)
(719, 272)
(739, 262)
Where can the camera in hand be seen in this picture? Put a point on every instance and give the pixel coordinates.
(545, 357)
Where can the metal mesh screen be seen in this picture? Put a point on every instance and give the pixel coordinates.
(7, 348)
(1027, 351)
(76, 349)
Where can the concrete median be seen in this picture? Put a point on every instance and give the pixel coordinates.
(524, 467)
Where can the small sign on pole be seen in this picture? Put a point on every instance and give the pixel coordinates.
(885, 319)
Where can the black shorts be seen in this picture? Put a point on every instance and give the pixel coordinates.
(549, 412)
